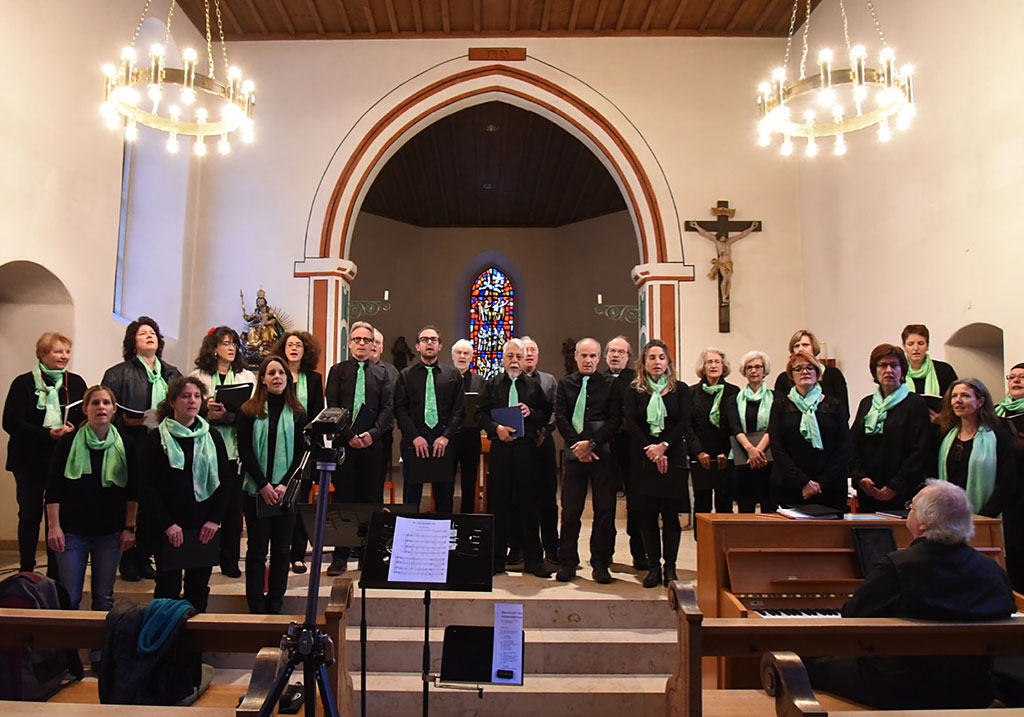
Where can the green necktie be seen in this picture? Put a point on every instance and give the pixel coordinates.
(580, 410)
(429, 399)
(360, 397)
(513, 394)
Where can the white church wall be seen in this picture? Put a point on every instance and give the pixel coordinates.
(922, 230)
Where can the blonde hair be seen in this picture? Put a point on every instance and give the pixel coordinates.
(726, 366)
(44, 344)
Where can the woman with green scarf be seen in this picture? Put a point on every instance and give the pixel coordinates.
(92, 499)
(748, 422)
(187, 474)
(302, 352)
(810, 440)
(140, 383)
(34, 417)
(927, 375)
(891, 436)
(656, 409)
(1009, 408)
(708, 437)
(219, 363)
(270, 448)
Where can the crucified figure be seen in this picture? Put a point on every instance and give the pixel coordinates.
(721, 265)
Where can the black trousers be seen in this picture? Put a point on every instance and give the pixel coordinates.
(753, 487)
(197, 585)
(648, 510)
(30, 486)
(231, 528)
(300, 539)
(273, 533)
(512, 500)
(467, 461)
(360, 479)
(443, 494)
(706, 482)
(622, 460)
(547, 494)
(576, 477)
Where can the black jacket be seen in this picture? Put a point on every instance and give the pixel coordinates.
(376, 416)
(495, 395)
(410, 402)
(704, 436)
(896, 458)
(30, 444)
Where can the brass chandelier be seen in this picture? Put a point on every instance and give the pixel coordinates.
(787, 109)
(204, 106)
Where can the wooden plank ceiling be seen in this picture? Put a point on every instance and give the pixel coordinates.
(493, 165)
(383, 19)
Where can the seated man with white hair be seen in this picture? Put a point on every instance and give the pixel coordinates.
(938, 577)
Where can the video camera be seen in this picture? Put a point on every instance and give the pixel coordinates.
(324, 430)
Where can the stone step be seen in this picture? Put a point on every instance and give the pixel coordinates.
(547, 651)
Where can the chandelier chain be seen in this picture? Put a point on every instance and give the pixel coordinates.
(209, 42)
(807, 30)
(220, 31)
(878, 25)
(846, 26)
(142, 19)
(789, 35)
(167, 34)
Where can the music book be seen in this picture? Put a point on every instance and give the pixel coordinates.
(429, 470)
(191, 553)
(419, 552)
(131, 412)
(900, 513)
(511, 416)
(739, 455)
(233, 396)
(1015, 423)
(811, 511)
(68, 407)
(934, 402)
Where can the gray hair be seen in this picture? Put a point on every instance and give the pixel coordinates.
(362, 325)
(589, 338)
(620, 337)
(377, 334)
(946, 511)
(750, 356)
(726, 366)
(524, 339)
(461, 344)
(514, 342)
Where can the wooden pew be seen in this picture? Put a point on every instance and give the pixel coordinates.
(203, 633)
(816, 637)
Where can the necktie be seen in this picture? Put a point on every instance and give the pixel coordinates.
(513, 394)
(429, 399)
(360, 397)
(580, 409)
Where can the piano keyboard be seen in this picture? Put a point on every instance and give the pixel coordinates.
(798, 612)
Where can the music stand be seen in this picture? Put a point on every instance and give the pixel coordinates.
(470, 561)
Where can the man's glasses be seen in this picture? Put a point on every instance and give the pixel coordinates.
(362, 339)
(429, 340)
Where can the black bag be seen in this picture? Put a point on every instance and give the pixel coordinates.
(28, 673)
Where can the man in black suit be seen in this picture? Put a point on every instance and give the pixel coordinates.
(547, 460)
(362, 387)
(588, 413)
(467, 440)
(429, 407)
(939, 577)
(387, 438)
(512, 480)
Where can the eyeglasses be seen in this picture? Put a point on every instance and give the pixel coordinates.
(429, 339)
(754, 367)
(1015, 377)
(909, 505)
(887, 364)
(806, 368)
(362, 339)
(713, 362)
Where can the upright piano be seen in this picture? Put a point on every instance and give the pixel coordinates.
(761, 566)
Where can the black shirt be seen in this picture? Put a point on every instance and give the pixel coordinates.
(897, 457)
(1005, 496)
(30, 443)
(410, 401)
(247, 452)
(86, 506)
(375, 416)
(944, 373)
(495, 395)
(604, 406)
(314, 394)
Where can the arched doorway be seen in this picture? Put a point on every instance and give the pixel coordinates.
(457, 84)
(977, 350)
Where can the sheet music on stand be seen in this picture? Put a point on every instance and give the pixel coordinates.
(419, 551)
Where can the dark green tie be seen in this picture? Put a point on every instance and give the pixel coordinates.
(429, 399)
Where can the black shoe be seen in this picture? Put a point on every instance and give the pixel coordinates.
(670, 574)
(130, 572)
(601, 575)
(641, 563)
(515, 557)
(230, 569)
(146, 569)
(565, 574)
(552, 565)
(540, 570)
(337, 567)
(298, 567)
(653, 578)
(292, 700)
(551, 556)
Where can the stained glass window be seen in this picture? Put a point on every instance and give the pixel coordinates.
(491, 319)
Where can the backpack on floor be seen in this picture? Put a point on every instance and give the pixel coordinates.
(29, 673)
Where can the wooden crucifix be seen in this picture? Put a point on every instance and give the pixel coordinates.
(722, 266)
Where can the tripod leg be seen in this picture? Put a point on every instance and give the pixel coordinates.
(270, 705)
(326, 695)
(309, 686)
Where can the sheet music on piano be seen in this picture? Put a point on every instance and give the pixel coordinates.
(419, 552)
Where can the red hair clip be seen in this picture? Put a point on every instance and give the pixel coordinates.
(212, 329)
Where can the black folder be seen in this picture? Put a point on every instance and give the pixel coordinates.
(191, 553)
(233, 396)
(511, 416)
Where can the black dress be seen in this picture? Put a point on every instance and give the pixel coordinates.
(705, 437)
(646, 482)
(752, 485)
(895, 458)
(797, 461)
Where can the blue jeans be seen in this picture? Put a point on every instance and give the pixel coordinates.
(106, 552)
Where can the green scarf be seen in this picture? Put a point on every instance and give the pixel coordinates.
(302, 393)
(48, 397)
(156, 378)
(226, 432)
(115, 462)
(809, 420)
(764, 409)
(927, 372)
(284, 447)
(1009, 406)
(204, 456)
(981, 466)
(874, 420)
(656, 411)
(716, 408)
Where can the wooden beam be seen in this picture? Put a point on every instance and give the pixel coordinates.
(446, 16)
(649, 15)
(259, 18)
(513, 15)
(600, 15)
(232, 20)
(368, 14)
(476, 15)
(392, 17)
(417, 15)
(573, 15)
(317, 20)
(707, 15)
(736, 15)
(622, 16)
(763, 17)
(677, 16)
(284, 16)
(546, 16)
